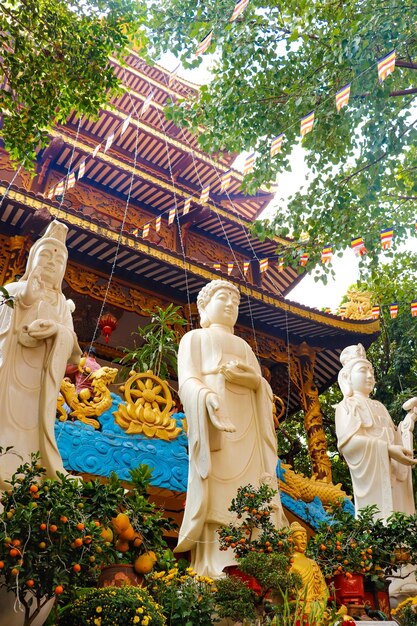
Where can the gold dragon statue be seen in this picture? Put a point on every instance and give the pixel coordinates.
(306, 489)
(147, 409)
(84, 406)
(359, 305)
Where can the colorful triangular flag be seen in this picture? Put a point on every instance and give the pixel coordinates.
(326, 255)
(414, 308)
(71, 181)
(81, 169)
(158, 224)
(135, 232)
(386, 236)
(225, 181)
(263, 265)
(328, 310)
(109, 142)
(230, 267)
(245, 267)
(146, 229)
(217, 266)
(342, 310)
(375, 312)
(304, 259)
(125, 125)
(393, 310)
(171, 216)
(281, 265)
(276, 145)
(173, 74)
(60, 188)
(187, 205)
(205, 193)
(204, 44)
(342, 97)
(146, 104)
(95, 151)
(386, 66)
(249, 164)
(51, 193)
(240, 6)
(358, 246)
(307, 123)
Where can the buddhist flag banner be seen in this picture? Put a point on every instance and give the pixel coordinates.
(125, 125)
(204, 44)
(326, 255)
(171, 216)
(304, 259)
(393, 310)
(414, 308)
(276, 145)
(51, 193)
(187, 205)
(135, 232)
(375, 312)
(95, 151)
(60, 188)
(205, 192)
(358, 246)
(173, 75)
(342, 97)
(307, 123)
(226, 180)
(328, 310)
(217, 266)
(281, 265)
(386, 236)
(263, 265)
(146, 230)
(158, 224)
(245, 267)
(342, 310)
(240, 6)
(386, 66)
(230, 268)
(109, 142)
(249, 164)
(146, 104)
(71, 181)
(81, 170)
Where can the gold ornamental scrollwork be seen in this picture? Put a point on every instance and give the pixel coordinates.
(147, 409)
(359, 305)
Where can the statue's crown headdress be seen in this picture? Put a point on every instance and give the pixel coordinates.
(352, 353)
(56, 230)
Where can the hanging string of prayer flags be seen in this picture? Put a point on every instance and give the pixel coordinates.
(125, 125)
(205, 192)
(217, 266)
(281, 265)
(342, 97)
(173, 75)
(276, 145)
(204, 44)
(245, 267)
(304, 259)
(414, 308)
(146, 104)
(358, 246)
(158, 224)
(81, 170)
(249, 164)
(307, 123)
(225, 181)
(230, 268)
(95, 151)
(109, 142)
(386, 66)
(240, 6)
(171, 216)
(60, 188)
(386, 236)
(263, 265)
(326, 255)
(71, 181)
(146, 229)
(393, 310)
(187, 205)
(375, 312)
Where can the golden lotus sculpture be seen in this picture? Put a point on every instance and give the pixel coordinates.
(147, 409)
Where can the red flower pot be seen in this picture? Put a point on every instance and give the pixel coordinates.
(349, 590)
(250, 581)
(118, 575)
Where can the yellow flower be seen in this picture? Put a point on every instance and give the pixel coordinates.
(136, 619)
(174, 570)
(139, 610)
(99, 609)
(145, 621)
(97, 621)
(158, 575)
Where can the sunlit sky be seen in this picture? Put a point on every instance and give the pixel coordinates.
(308, 291)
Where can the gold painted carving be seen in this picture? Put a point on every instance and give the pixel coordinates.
(306, 489)
(147, 409)
(19, 249)
(85, 408)
(209, 251)
(359, 305)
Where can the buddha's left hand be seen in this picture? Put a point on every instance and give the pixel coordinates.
(240, 374)
(42, 329)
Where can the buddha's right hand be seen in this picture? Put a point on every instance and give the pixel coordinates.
(219, 421)
(402, 455)
(34, 285)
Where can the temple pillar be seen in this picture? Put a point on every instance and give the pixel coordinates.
(302, 376)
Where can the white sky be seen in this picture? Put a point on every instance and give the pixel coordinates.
(308, 291)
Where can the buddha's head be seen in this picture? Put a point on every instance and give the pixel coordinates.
(357, 373)
(49, 254)
(298, 535)
(218, 303)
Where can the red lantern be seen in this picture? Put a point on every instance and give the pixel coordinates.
(107, 323)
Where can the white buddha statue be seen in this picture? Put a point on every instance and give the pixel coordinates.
(36, 340)
(231, 433)
(378, 454)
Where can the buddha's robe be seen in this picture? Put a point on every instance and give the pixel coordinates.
(220, 462)
(314, 589)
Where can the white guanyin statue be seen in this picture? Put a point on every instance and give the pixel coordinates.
(36, 340)
(232, 441)
(379, 455)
